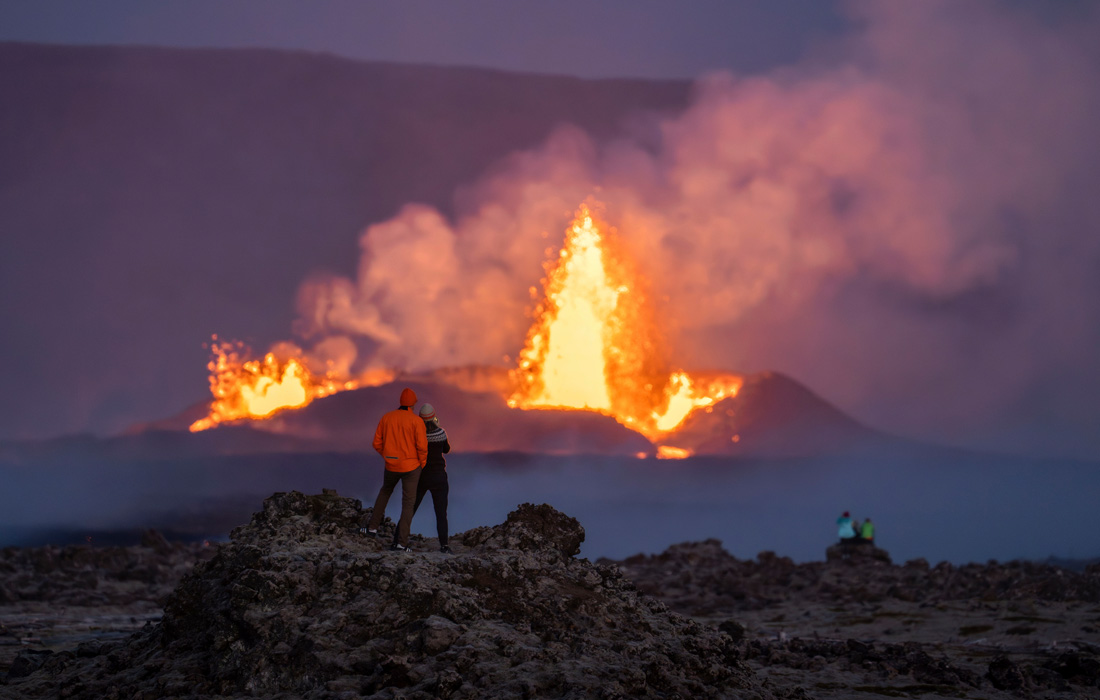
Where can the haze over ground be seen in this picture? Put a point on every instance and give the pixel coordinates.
(896, 209)
(935, 505)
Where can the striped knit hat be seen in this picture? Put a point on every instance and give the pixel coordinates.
(427, 412)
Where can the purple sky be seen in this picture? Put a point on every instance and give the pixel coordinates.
(609, 38)
(939, 156)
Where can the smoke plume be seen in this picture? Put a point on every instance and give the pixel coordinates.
(905, 221)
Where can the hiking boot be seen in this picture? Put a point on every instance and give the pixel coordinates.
(368, 533)
(446, 550)
(395, 547)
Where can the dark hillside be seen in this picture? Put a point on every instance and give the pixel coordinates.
(151, 197)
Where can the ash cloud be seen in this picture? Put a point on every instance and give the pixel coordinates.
(906, 222)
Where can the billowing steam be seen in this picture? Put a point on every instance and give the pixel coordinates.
(909, 225)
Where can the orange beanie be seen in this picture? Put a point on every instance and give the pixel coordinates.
(408, 397)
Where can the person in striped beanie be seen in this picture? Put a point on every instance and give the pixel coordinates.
(433, 478)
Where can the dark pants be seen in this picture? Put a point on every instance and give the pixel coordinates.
(408, 502)
(439, 487)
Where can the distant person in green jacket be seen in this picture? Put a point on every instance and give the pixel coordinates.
(867, 531)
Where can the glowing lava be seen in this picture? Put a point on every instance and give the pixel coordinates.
(670, 452)
(254, 389)
(595, 345)
(567, 342)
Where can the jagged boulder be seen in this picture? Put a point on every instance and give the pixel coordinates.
(531, 527)
(299, 604)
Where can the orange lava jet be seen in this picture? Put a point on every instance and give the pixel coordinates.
(595, 344)
(254, 389)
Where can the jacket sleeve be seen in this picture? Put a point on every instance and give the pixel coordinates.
(421, 442)
(446, 447)
(378, 438)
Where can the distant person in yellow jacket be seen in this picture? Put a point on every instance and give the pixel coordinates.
(402, 441)
(867, 531)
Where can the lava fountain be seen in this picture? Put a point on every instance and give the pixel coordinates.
(259, 388)
(596, 345)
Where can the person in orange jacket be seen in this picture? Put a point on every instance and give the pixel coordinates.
(434, 476)
(402, 440)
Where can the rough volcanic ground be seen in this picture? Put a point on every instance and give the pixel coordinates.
(858, 626)
(299, 604)
(56, 598)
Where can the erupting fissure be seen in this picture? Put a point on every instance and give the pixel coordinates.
(254, 389)
(595, 344)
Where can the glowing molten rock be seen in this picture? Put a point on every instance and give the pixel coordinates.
(252, 389)
(595, 345)
(669, 452)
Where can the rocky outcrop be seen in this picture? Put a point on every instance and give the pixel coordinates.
(86, 575)
(993, 630)
(702, 578)
(298, 604)
(857, 552)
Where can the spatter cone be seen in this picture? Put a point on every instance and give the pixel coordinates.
(299, 604)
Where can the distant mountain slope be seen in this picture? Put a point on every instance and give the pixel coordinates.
(476, 422)
(772, 415)
(151, 197)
